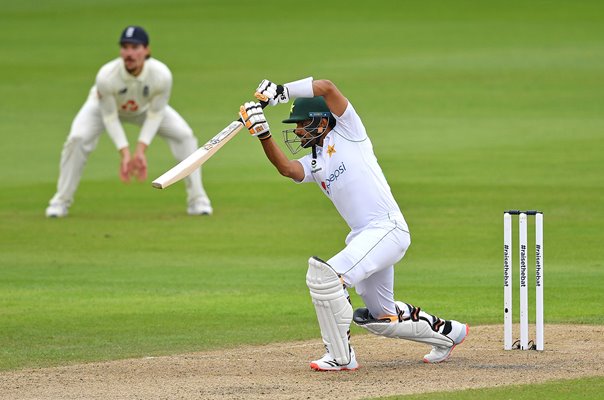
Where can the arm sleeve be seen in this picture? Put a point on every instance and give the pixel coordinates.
(109, 114)
(155, 113)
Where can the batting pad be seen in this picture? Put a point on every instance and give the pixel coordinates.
(334, 312)
(418, 331)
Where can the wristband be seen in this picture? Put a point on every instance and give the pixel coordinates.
(300, 88)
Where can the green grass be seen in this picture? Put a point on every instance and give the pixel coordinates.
(472, 109)
(588, 388)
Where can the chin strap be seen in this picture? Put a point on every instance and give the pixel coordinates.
(314, 151)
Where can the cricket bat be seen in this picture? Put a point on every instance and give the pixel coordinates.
(203, 154)
(198, 157)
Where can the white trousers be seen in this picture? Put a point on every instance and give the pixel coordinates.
(88, 126)
(367, 261)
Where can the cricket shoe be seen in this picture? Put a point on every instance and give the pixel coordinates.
(200, 206)
(458, 334)
(56, 210)
(327, 363)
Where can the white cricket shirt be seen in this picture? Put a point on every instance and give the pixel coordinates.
(122, 95)
(347, 171)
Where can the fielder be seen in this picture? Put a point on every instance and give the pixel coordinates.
(133, 88)
(346, 170)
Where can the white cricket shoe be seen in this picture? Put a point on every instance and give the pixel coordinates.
(458, 334)
(57, 210)
(200, 206)
(327, 363)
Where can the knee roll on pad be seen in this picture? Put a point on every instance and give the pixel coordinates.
(418, 331)
(334, 311)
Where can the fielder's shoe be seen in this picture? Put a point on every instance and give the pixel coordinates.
(57, 210)
(327, 363)
(200, 206)
(458, 334)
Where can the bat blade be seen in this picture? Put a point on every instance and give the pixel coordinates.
(198, 157)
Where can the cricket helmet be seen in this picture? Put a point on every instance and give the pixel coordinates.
(313, 109)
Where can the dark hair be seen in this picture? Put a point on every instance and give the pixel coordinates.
(331, 121)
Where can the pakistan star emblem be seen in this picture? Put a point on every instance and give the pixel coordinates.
(331, 149)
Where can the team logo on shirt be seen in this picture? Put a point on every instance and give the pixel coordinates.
(123, 91)
(324, 186)
(130, 105)
(313, 166)
(331, 150)
(146, 91)
(339, 171)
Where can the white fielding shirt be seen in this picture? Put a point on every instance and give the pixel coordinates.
(348, 173)
(122, 95)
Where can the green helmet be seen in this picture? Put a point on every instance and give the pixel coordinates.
(306, 108)
(313, 109)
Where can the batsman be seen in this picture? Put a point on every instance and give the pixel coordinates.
(342, 163)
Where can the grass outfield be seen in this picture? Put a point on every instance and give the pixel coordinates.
(589, 388)
(472, 109)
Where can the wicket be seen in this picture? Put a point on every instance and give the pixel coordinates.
(523, 343)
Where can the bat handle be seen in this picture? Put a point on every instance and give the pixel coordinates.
(264, 100)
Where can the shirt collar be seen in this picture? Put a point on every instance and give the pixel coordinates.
(328, 138)
(126, 76)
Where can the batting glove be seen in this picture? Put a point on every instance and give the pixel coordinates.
(272, 93)
(254, 120)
